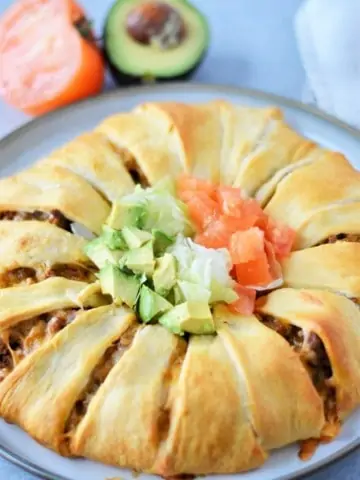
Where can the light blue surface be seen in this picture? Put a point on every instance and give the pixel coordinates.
(252, 45)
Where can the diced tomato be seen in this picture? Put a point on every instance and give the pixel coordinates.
(186, 195)
(186, 183)
(230, 199)
(281, 236)
(246, 245)
(245, 303)
(255, 272)
(216, 235)
(274, 265)
(226, 219)
(262, 221)
(202, 209)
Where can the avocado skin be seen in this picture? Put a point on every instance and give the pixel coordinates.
(126, 80)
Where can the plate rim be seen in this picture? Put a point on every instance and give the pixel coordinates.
(43, 473)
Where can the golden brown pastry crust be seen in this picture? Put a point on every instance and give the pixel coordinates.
(38, 245)
(198, 132)
(209, 422)
(283, 403)
(50, 187)
(242, 129)
(333, 266)
(335, 319)
(121, 426)
(156, 149)
(92, 157)
(40, 393)
(267, 190)
(278, 147)
(342, 218)
(23, 302)
(327, 184)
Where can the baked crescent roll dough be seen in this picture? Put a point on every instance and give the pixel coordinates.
(121, 426)
(242, 129)
(38, 245)
(21, 303)
(51, 187)
(284, 405)
(334, 266)
(328, 182)
(209, 427)
(278, 147)
(156, 150)
(92, 157)
(198, 131)
(336, 320)
(47, 383)
(342, 218)
(267, 190)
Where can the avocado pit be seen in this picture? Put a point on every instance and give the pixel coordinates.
(156, 23)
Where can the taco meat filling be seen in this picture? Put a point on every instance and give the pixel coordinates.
(316, 361)
(18, 276)
(71, 272)
(54, 216)
(342, 237)
(27, 276)
(111, 356)
(131, 165)
(22, 339)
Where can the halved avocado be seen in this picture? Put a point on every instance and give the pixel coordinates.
(149, 40)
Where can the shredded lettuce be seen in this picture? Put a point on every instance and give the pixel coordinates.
(163, 210)
(206, 268)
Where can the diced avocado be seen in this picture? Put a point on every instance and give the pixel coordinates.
(130, 215)
(151, 304)
(178, 295)
(134, 237)
(122, 287)
(161, 241)
(191, 317)
(140, 260)
(164, 276)
(113, 238)
(193, 292)
(100, 254)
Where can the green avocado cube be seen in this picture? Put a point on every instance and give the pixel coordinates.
(164, 277)
(191, 317)
(100, 254)
(122, 287)
(126, 215)
(151, 304)
(139, 260)
(134, 237)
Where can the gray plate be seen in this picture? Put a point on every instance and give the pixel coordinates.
(38, 137)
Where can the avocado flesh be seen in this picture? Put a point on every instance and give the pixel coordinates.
(161, 241)
(130, 60)
(100, 254)
(126, 215)
(140, 260)
(134, 237)
(122, 287)
(113, 239)
(164, 277)
(191, 317)
(151, 304)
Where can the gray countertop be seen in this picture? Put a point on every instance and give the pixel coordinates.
(252, 45)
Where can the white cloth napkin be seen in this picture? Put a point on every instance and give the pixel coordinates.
(328, 35)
